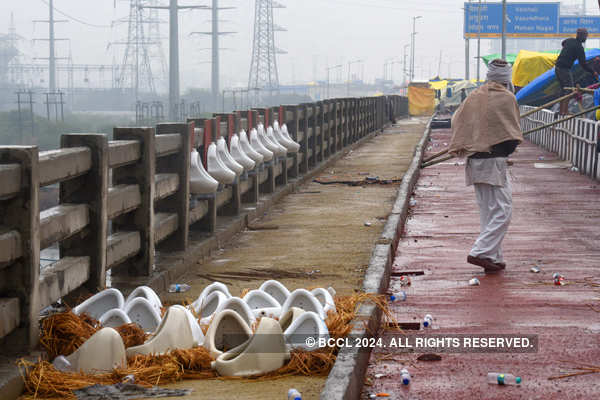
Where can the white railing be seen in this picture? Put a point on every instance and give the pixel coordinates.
(576, 140)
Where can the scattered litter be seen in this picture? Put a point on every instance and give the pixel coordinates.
(398, 296)
(368, 223)
(584, 369)
(129, 379)
(262, 227)
(122, 391)
(574, 169)
(314, 271)
(405, 375)
(412, 202)
(474, 282)
(367, 181)
(497, 378)
(379, 376)
(179, 288)
(364, 173)
(535, 269)
(427, 321)
(540, 157)
(429, 357)
(404, 280)
(293, 394)
(559, 280)
(382, 394)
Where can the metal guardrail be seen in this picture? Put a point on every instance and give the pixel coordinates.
(122, 200)
(577, 140)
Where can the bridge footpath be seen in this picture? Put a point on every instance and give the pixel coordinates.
(554, 226)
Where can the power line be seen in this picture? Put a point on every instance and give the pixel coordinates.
(76, 19)
(389, 7)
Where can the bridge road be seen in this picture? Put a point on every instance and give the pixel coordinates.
(320, 234)
(555, 226)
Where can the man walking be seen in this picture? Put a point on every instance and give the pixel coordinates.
(572, 49)
(486, 129)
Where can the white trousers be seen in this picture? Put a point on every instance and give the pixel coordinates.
(495, 212)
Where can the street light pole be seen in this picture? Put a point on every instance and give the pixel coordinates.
(504, 29)
(329, 69)
(349, 76)
(412, 57)
(404, 64)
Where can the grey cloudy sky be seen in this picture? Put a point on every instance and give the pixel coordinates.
(320, 33)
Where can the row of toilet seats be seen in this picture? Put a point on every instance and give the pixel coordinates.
(286, 320)
(225, 166)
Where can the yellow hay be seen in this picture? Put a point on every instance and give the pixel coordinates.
(64, 333)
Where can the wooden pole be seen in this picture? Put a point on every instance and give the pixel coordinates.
(551, 103)
(436, 155)
(434, 162)
(570, 117)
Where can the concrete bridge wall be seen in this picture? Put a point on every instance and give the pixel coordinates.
(122, 200)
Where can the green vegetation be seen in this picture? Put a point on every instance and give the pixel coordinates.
(46, 134)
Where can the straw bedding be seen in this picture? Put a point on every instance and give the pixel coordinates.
(64, 333)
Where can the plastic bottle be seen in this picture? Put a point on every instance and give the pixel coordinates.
(398, 296)
(179, 288)
(427, 321)
(503, 379)
(405, 375)
(293, 394)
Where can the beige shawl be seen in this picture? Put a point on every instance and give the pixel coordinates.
(490, 115)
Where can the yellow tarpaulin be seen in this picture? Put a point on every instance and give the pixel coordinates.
(437, 85)
(531, 64)
(421, 100)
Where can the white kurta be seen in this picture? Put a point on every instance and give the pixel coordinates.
(489, 176)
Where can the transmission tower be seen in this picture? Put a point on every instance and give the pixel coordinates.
(142, 44)
(263, 67)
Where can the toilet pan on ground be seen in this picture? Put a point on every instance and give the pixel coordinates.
(114, 318)
(216, 286)
(238, 305)
(197, 333)
(275, 289)
(290, 316)
(305, 300)
(143, 313)
(200, 181)
(226, 158)
(210, 305)
(325, 299)
(258, 146)
(217, 169)
(100, 303)
(148, 294)
(264, 352)
(102, 352)
(308, 324)
(238, 154)
(174, 332)
(226, 331)
(247, 148)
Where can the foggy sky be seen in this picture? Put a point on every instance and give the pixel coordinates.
(320, 33)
